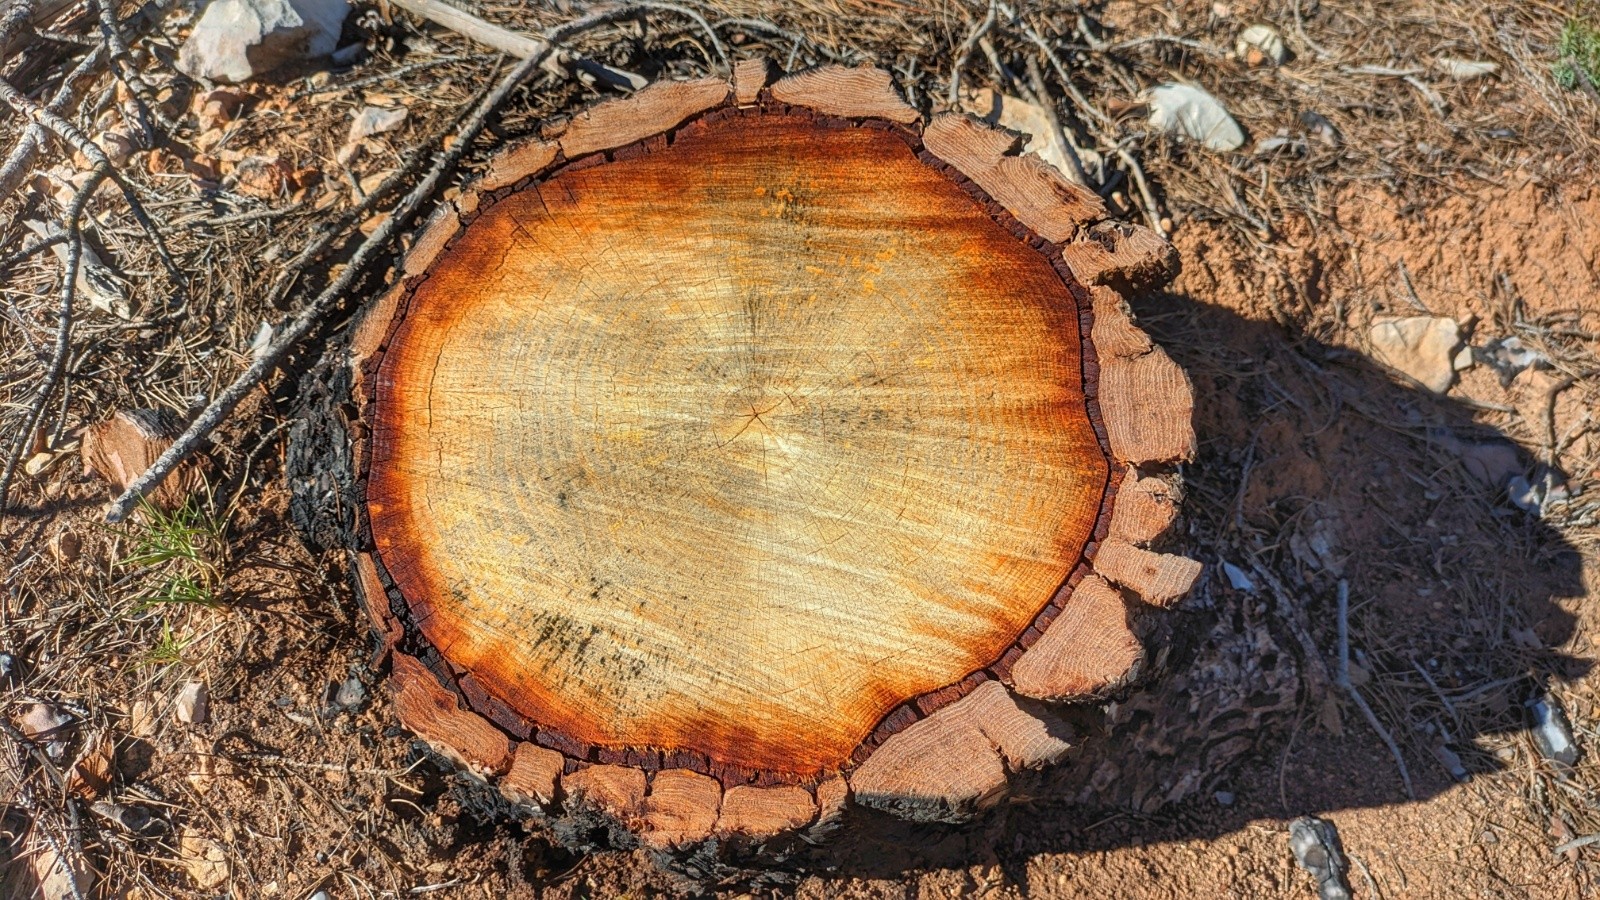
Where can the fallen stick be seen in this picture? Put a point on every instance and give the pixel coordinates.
(58, 359)
(293, 331)
(522, 46)
(1349, 687)
(20, 160)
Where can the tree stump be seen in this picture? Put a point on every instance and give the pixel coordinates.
(747, 449)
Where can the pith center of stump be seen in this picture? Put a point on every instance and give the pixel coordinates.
(733, 446)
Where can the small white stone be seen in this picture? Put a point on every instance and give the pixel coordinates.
(1266, 43)
(1421, 347)
(192, 705)
(236, 40)
(1190, 111)
(375, 120)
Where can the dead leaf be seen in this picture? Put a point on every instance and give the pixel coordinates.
(92, 772)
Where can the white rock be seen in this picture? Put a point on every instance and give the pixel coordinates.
(1261, 44)
(1237, 577)
(236, 40)
(193, 704)
(1421, 347)
(1190, 111)
(375, 120)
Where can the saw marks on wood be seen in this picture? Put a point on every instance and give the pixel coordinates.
(733, 446)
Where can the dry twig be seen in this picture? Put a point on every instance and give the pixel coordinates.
(298, 327)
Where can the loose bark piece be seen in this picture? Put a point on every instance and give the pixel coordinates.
(1145, 397)
(534, 774)
(517, 161)
(845, 91)
(432, 713)
(941, 769)
(1143, 511)
(760, 813)
(750, 76)
(1114, 252)
(431, 240)
(1039, 196)
(1027, 738)
(614, 791)
(658, 107)
(1088, 651)
(370, 331)
(375, 600)
(122, 447)
(1160, 579)
(682, 808)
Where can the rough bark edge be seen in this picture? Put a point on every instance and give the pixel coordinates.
(1035, 192)
(865, 92)
(1108, 253)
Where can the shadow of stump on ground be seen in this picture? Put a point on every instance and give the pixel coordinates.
(1314, 467)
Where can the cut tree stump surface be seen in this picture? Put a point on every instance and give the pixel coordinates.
(752, 449)
(734, 446)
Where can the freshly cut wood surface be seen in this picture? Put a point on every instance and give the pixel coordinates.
(1146, 397)
(761, 812)
(1160, 579)
(661, 105)
(122, 447)
(682, 807)
(535, 772)
(740, 473)
(1145, 509)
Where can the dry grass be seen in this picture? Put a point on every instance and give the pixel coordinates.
(289, 785)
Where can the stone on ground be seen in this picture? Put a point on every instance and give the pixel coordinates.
(236, 40)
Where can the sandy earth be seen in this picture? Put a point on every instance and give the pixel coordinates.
(1317, 466)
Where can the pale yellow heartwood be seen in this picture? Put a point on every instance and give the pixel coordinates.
(734, 446)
